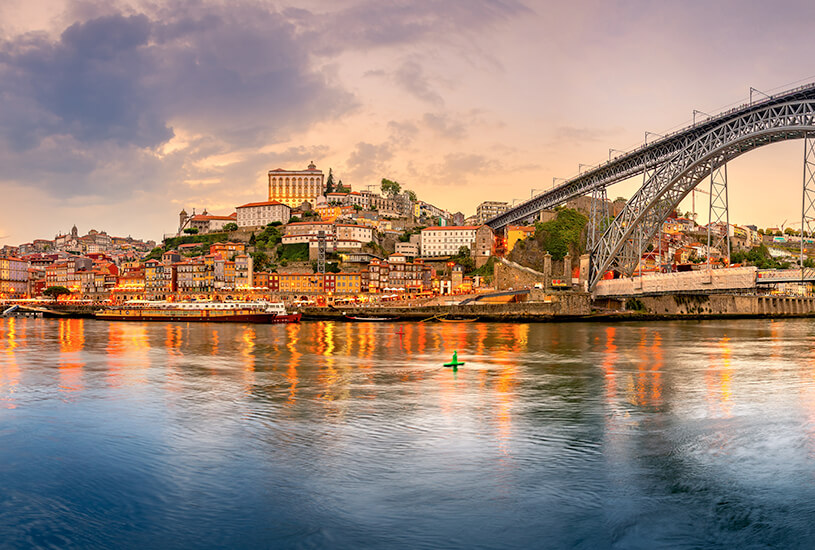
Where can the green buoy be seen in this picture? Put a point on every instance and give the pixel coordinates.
(455, 362)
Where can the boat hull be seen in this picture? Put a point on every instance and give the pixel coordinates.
(199, 316)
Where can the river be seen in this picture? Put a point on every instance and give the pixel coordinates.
(338, 435)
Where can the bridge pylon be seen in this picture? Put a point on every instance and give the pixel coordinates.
(718, 213)
(808, 206)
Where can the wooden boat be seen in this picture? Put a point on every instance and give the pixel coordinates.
(446, 320)
(210, 312)
(375, 319)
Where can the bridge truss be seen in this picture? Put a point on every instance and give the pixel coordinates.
(672, 167)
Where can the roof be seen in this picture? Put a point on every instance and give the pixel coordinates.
(450, 228)
(202, 218)
(265, 203)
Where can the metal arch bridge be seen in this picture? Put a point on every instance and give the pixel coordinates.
(672, 167)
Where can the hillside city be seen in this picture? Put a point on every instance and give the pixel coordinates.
(314, 240)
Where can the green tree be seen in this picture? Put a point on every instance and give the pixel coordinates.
(294, 219)
(260, 261)
(155, 254)
(55, 292)
(231, 226)
(563, 234)
(342, 188)
(390, 188)
(411, 195)
(252, 240)
(464, 259)
(329, 182)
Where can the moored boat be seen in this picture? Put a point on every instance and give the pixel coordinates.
(360, 318)
(212, 312)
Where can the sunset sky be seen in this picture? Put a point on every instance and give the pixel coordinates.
(115, 115)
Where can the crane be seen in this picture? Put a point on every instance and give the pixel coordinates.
(693, 200)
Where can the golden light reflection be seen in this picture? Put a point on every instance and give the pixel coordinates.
(292, 337)
(127, 354)
(718, 379)
(248, 337)
(9, 369)
(609, 362)
(71, 343)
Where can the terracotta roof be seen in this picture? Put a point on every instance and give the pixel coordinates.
(266, 203)
(450, 227)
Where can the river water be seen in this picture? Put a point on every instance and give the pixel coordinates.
(332, 435)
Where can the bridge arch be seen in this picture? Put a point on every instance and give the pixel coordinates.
(672, 180)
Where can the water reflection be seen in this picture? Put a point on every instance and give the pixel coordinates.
(626, 435)
(10, 370)
(71, 344)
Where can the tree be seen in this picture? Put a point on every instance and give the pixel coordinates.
(294, 219)
(390, 188)
(231, 226)
(342, 188)
(329, 182)
(252, 240)
(411, 195)
(191, 231)
(260, 261)
(55, 292)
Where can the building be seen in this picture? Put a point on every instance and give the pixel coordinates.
(205, 223)
(517, 233)
(294, 187)
(446, 241)
(243, 271)
(13, 278)
(409, 249)
(483, 246)
(227, 251)
(489, 209)
(259, 214)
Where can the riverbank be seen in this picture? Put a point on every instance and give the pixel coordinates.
(547, 308)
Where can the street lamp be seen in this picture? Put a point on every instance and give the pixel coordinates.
(580, 167)
(532, 193)
(554, 180)
(653, 134)
(698, 112)
(614, 151)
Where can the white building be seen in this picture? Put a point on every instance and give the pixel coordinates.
(354, 232)
(258, 214)
(294, 187)
(446, 241)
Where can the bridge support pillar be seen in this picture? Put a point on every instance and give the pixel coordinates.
(808, 205)
(547, 270)
(718, 214)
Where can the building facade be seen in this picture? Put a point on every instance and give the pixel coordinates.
(294, 187)
(258, 214)
(489, 209)
(446, 241)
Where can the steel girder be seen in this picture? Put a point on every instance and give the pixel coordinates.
(677, 176)
(646, 157)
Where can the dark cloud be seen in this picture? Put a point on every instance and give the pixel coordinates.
(240, 73)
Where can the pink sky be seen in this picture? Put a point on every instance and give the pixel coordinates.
(117, 115)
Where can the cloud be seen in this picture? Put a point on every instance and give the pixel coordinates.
(373, 23)
(444, 126)
(122, 83)
(367, 160)
(411, 78)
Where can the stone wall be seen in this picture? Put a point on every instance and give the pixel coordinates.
(508, 275)
(727, 304)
